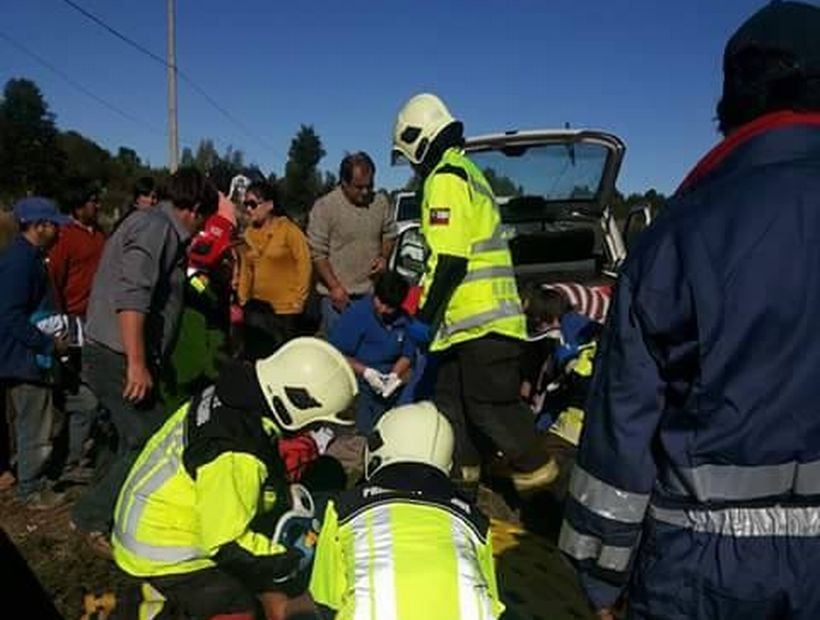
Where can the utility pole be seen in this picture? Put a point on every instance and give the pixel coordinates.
(173, 133)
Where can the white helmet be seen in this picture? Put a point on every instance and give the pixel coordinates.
(416, 433)
(418, 123)
(305, 381)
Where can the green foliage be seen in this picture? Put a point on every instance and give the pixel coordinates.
(621, 204)
(303, 183)
(30, 159)
(502, 185)
(36, 158)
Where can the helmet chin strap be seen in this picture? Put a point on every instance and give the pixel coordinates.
(450, 136)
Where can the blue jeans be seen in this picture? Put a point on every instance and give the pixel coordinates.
(34, 427)
(81, 410)
(330, 316)
(423, 381)
(135, 423)
(370, 406)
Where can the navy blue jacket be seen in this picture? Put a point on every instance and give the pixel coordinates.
(23, 288)
(705, 396)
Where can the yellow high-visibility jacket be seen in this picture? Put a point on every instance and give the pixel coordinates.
(204, 491)
(405, 547)
(459, 217)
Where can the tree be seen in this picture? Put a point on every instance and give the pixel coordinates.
(621, 204)
(206, 155)
(329, 183)
(128, 160)
(30, 160)
(187, 160)
(302, 183)
(85, 158)
(234, 158)
(502, 185)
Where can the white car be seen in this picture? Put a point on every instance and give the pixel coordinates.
(554, 189)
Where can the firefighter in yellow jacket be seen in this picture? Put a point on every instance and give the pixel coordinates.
(470, 309)
(197, 513)
(406, 545)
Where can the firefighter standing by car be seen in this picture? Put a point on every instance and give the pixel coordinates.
(197, 513)
(406, 545)
(470, 309)
(697, 485)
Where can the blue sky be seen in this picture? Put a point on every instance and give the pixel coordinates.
(646, 70)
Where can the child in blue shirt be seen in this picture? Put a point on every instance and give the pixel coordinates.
(371, 333)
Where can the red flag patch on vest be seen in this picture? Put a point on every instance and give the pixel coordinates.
(439, 217)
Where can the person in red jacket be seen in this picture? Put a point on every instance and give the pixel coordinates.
(72, 263)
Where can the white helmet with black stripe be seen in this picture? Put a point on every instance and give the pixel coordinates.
(419, 122)
(305, 381)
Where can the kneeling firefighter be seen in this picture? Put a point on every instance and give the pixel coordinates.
(197, 514)
(406, 544)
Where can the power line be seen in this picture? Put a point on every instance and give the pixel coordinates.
(116, 33)
(185, 77)
(22, 48)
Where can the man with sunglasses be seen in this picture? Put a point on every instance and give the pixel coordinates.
(351, 234)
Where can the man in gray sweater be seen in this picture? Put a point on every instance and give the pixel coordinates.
(132, 320)
(351, 234)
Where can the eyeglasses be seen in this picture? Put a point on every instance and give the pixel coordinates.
(250, 205)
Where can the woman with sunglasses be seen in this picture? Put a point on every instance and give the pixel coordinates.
(275, 273)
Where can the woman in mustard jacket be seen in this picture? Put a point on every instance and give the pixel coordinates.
(274, 278)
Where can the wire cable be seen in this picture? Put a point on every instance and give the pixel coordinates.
(87, 92)
(184, 76)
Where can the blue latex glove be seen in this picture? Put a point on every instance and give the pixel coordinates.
(419, 332)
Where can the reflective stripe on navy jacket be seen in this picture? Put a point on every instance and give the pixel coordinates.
(705, 410)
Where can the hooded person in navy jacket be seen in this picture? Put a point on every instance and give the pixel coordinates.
(697, 485)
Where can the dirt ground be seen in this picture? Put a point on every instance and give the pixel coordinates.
(536, 582)
(57, 555)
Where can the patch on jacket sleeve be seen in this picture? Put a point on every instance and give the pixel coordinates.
(439, 217)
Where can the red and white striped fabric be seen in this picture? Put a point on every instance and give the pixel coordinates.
(591, 301)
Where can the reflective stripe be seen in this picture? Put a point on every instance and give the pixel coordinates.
(745, 522)
(382, 560)
(208, 401)
(473, 590)
(605, 500)
(160, 466)
(585, 547)
(480, 189)
(152, 602)
(503, 310)
(362, 571)
(496, 241)
(487, 273)
(736, 482)
(374, 587)
(155, 552)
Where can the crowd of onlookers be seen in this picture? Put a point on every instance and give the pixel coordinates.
(102, 336)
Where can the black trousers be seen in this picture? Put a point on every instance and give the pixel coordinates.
(264, 331)
(477, 389)
(200, 595)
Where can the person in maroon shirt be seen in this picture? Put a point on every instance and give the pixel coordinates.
(72, 263)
